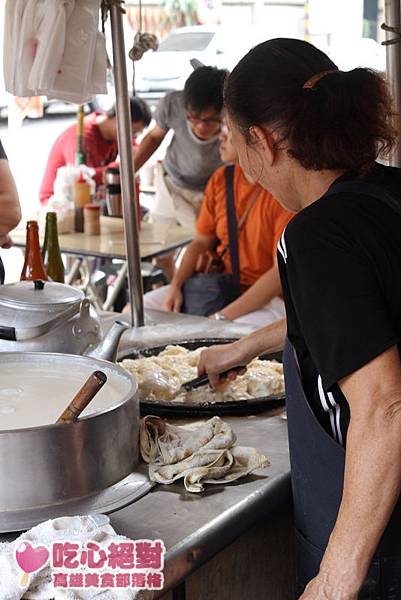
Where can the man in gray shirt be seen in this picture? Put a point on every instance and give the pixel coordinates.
(193, 154)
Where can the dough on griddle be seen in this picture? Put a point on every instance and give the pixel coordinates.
(160, 378)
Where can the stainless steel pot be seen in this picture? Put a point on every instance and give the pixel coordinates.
(54, 464)
(112, 176)
(43, 316)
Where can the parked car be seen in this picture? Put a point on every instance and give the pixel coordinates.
(360, 52)
(168, 68)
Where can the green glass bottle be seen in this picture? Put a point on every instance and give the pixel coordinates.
(51, 250)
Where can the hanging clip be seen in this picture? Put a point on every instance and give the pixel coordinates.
(142, 43)
(396, 30)
(106, 6)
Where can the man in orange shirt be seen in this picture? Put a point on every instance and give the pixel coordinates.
(260, 302)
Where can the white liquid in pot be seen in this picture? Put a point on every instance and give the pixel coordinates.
(34, 395)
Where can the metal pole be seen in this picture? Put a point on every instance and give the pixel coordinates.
(393, 63)
(127, 168)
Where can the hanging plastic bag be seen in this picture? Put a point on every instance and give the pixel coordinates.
(74, 79)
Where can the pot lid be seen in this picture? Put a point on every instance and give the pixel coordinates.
(39, 295)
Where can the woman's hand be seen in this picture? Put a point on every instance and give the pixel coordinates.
(225, 359)
(320, 588)
(173, 300)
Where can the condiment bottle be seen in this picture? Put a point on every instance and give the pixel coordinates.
(92, 219)
(33, 265)
(51, 254)
(82, 196)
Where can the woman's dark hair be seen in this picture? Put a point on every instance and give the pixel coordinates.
(342, 122)
(140, 111)
(204, 89)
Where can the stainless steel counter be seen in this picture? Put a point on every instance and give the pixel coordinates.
(162, 327)
(194, 527)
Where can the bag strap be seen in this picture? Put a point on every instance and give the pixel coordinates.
(370, 189)
(232, 223)
(247, 210)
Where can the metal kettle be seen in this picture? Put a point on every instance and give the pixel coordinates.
(44, 316)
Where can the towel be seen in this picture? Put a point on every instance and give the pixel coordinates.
(80, 529)
(199, 455)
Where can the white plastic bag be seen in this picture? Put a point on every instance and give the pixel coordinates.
(74, 79)
(67, 176)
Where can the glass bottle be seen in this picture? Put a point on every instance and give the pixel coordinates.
(80, 155)
(51, 254)
(33, 265)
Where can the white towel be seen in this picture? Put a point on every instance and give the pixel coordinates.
(80, 529)
(203, 454)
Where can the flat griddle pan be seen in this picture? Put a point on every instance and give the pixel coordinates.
(233, 407)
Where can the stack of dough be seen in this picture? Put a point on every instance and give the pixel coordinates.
(160, 378)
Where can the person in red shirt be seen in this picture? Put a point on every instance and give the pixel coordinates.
(100, 142)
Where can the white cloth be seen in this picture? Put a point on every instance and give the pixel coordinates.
(80, 529)
(273, 311)
(53, 48)
(202, 454)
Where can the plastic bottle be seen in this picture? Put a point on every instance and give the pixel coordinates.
(82, 196)
(33, 265)
(51, 254)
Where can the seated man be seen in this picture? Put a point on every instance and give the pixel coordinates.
(260, 302)
(100, 142)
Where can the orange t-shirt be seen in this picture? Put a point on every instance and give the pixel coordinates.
(258, 237)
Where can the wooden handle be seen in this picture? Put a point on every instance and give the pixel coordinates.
(81, 400)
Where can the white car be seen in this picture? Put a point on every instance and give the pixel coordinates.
(168, 68)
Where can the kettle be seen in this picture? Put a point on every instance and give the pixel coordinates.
(45, 316)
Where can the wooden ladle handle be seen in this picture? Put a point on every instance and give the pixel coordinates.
(81, 400)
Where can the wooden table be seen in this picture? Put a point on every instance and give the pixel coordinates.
(155, 239)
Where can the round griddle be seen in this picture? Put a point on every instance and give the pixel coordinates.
(181, 409)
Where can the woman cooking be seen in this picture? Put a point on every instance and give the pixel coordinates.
(311, 134)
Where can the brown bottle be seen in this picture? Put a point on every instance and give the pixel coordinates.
(33, 266)
(51, 250)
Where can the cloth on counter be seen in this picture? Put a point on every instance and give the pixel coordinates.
(80, 529)
(199, 455)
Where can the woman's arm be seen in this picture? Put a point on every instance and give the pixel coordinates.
(218, 359)
(256, 297)
(198, 246)
(10, 211)
(372, 480)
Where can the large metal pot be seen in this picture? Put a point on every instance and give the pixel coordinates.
(54, 464)
(43, 316)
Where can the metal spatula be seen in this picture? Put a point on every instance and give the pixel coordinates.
(193, 384)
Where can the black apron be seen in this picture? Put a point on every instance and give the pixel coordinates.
(2, 273)
(317, 471)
